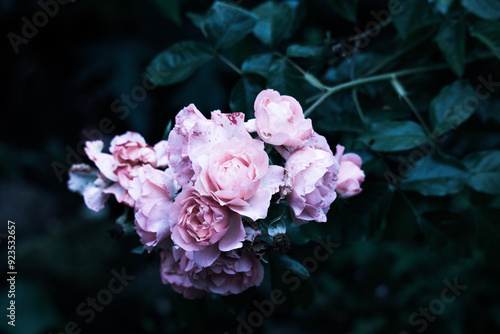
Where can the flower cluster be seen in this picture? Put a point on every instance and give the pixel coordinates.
(197, 196)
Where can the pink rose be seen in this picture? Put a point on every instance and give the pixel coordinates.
(153, 191)
(174, 270)
(231, 273)
(90, 183)
(350, 174)
(232, 167)
(205, 134)
(202, 225)
(237, 174)
(313, 175)
(279, 119)
(128, 153)
(177, 150)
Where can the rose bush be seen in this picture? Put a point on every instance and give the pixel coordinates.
(203, 197)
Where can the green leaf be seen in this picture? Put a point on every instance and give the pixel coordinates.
(451, 41)
(346, 8)
(285, 262)
(390, 136)
(301, 235)
(337, 114)
(178, 62)
(410, 16)
(442, 5)
(448, 109)
(257, 64)
(196, 19)
(284, 78)
(224, 24)
(276, 21)
(486, 9)
(488, 32)
(243, 96)
(171, 10)
(168, 128)
(138, 250)
(434, 176)
(276, 227)
(484, 167)
(303, 51)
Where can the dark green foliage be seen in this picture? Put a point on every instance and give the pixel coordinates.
(451, 40)
(486, 9)
(224, 25)
(450, 108)
(388, 136)
(178, 62)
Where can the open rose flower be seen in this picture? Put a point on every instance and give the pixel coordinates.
(177, 151)
(350, 174)
(128, 153)
(174, 269)
(153, 191)
(313, 175)
(202, 225)
(232, 167)
(231, 273)
(279, 119)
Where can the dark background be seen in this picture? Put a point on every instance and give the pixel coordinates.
(63, 83)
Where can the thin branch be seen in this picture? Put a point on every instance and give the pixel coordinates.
(383, 77)
(358, 105)
(401, 91)
(310, 78)
(375, 78)
(229, 63)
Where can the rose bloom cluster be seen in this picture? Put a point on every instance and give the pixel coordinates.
(197, 196)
